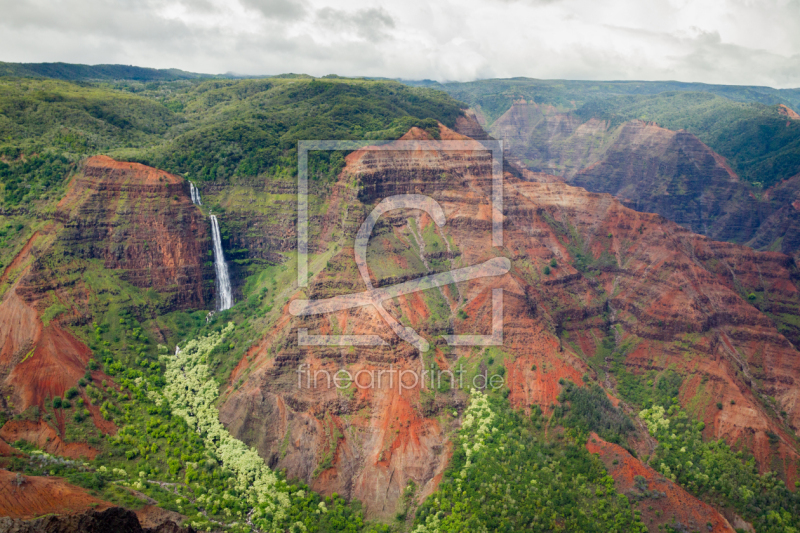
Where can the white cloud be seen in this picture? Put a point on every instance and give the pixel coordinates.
(715, 41)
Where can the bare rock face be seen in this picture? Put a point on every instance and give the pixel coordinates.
(674, 298)
(140, 220)
(788, 112)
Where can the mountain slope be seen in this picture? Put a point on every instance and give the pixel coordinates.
(119, 227)
(567, 127)
(633, 297)
(653, 169)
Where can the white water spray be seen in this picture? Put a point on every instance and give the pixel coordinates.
(224, 293)
(195, 193)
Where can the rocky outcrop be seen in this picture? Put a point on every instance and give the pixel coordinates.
(26, 497)
(658, 500)
(141, 221)
(788, 112)
(653, 169)
(673, 174)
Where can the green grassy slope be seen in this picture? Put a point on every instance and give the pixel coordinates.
(70, 71)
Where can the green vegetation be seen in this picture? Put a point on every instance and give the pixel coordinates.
(251, 127)
(740, 123)
(711, 470)
(171, 447)
(206, 129)
(717, 474)
(506, 475)
(68, 71)
(496, 96)
(589, 409)
(33, 177)
(53, 312)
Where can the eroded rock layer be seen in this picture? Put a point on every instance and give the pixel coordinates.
(711, 311)
(118, 224)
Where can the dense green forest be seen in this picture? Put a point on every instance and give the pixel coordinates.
(205, 129)
(507, 474)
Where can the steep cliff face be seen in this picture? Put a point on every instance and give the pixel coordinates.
(666, 297)
(37, 360)
(673, 174)
(123, 220)
(551, 141)
(652, 169)
(141, 221)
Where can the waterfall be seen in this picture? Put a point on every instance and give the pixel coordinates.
(195, 192)
(224, 294)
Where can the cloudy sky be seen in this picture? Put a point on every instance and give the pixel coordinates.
(716, 41)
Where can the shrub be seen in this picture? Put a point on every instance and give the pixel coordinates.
(57, 402)
(546, 271)
(71, 393)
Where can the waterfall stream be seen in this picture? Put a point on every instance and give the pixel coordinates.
(195, 193)
(224, 293)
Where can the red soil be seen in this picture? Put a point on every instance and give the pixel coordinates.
(145, 174)
(24, 254)
(6, 450)
(38, 496)
(786, 111)
(41, 361)
(57, 363)
(678, 504)
(45, 438)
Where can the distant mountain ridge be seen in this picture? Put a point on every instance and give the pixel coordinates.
(496, 95)
(77, 72)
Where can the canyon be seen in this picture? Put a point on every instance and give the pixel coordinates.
(589, 269)
(652, 169)
(673, 299)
